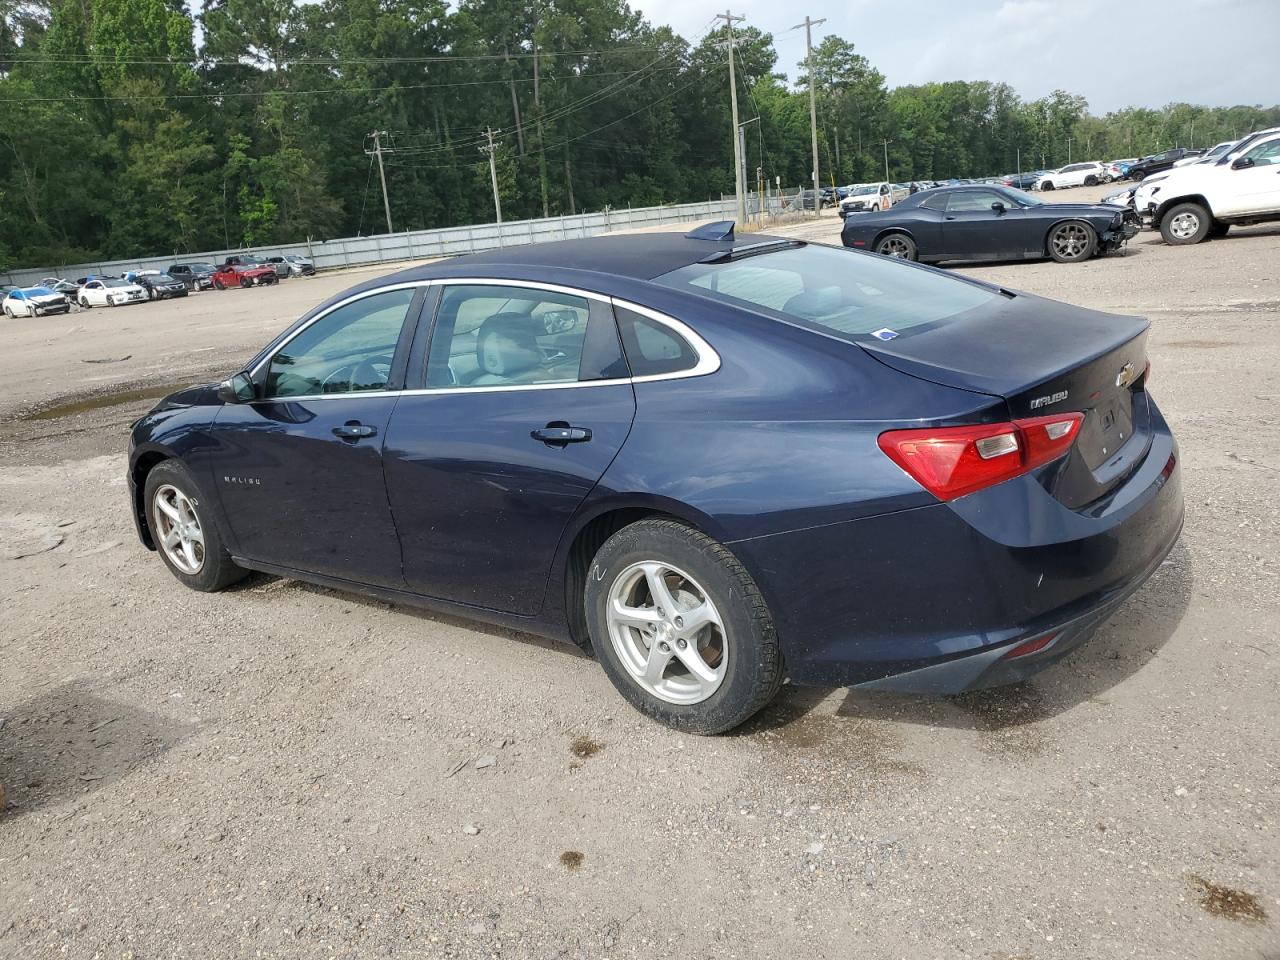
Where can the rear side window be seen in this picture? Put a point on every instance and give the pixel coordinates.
(651, 347)
(841, 292)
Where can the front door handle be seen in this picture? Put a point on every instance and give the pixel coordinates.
(354, 430)
(560, 434)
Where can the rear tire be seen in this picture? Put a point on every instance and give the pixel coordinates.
(205, 565)
(246, 282)
(1072, 242)
(729, 668)
(1185, 223)
(897, 245)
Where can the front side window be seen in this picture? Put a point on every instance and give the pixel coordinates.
(974, 200)
(834, 291)
(348, 350)
(1265, 153)
(501, 336)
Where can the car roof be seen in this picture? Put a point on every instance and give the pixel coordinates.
(639, 256)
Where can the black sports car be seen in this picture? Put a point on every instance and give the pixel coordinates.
(983, 222)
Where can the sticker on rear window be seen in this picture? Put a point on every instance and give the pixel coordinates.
(884, 333)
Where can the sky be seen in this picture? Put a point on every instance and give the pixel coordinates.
(1211, 52)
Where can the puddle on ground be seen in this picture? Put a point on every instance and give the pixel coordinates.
(1227, 903)
(99, 401)
(572, 859)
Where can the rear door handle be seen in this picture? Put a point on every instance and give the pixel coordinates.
(559, 434)
(354, 430)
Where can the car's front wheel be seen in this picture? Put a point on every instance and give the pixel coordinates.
(1137, 175)
(84, 303)
(218, 284)
(184, 532)
(681, 628)
(1186, 223)
(1091, 181)
(1047, 185)
(897, 245)
(1072, 242)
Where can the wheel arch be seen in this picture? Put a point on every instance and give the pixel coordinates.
(1166, 205)
(1057, 223)
(143, 463)
(885, 231)
(593, 527)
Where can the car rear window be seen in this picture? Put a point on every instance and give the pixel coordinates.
(844, 292)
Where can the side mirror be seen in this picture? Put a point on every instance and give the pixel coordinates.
(237, 389)
(1242, 163)
(998, 207)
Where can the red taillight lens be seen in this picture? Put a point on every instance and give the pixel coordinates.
(1028, 647)
(951, 462)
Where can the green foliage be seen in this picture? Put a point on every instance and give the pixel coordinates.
(119, 138)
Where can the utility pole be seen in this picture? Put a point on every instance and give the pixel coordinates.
(729, 20)
(1069, 142)
(886, 158)
(808, 25)
(490, 149)
(377, 151)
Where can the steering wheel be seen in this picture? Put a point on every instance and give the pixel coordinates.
(370, 370)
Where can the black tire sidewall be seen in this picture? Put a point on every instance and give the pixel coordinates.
(218, 569)
(755, 668)
(1093, 241)
(1206, 224)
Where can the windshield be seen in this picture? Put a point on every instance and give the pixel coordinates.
(843, 292)
(162, 278)
(37, 292)
(116, 283)
(1024, 198)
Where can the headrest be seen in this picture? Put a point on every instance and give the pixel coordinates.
(814, 303)
(505, 345)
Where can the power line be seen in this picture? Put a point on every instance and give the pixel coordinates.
(321, 61)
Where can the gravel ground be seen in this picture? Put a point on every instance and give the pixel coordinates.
(284, 771)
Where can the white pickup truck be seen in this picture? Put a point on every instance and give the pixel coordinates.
(1200, 201)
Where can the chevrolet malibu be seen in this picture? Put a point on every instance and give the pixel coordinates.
(714, 464)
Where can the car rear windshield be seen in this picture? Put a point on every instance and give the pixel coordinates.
(844, 292)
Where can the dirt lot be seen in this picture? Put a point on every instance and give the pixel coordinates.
(265, 772)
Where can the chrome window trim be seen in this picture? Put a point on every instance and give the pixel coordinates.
(708, 358)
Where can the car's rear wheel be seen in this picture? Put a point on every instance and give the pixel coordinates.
(1072, 242)
(1186, 223)
(184, 532)
(897, 245)
(680, 627)
(246, 282)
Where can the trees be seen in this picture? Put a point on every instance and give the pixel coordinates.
(120, 136)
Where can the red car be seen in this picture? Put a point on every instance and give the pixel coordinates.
(244, 271)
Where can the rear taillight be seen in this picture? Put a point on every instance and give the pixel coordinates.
(951, 462)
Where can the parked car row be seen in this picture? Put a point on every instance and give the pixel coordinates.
(54, 295)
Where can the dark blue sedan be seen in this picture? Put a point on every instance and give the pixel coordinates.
(716, 463)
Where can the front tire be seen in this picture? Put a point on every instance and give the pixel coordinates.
(84, 304)
(184, 532)
(1072, 242)
(1186, 223)
(680, 628)
(1091, 181)
(897, 245)
(219, 285)
(1137, 176)
(1047, 185)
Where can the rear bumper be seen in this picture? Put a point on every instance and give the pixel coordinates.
(923, 600)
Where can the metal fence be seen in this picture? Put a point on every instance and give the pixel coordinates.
(412, 245)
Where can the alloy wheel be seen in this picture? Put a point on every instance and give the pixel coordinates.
(895, 246)
(1070, 241)
(667, 632)
(178, 530)
(1184, 225)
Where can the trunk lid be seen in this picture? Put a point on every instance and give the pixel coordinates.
(1042, 357)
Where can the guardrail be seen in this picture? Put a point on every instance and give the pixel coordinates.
(411, 245)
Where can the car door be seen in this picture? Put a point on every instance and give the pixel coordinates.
(524, 401)
(972, 230)
(1252, 184)
(94, 293)
(299, 470)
